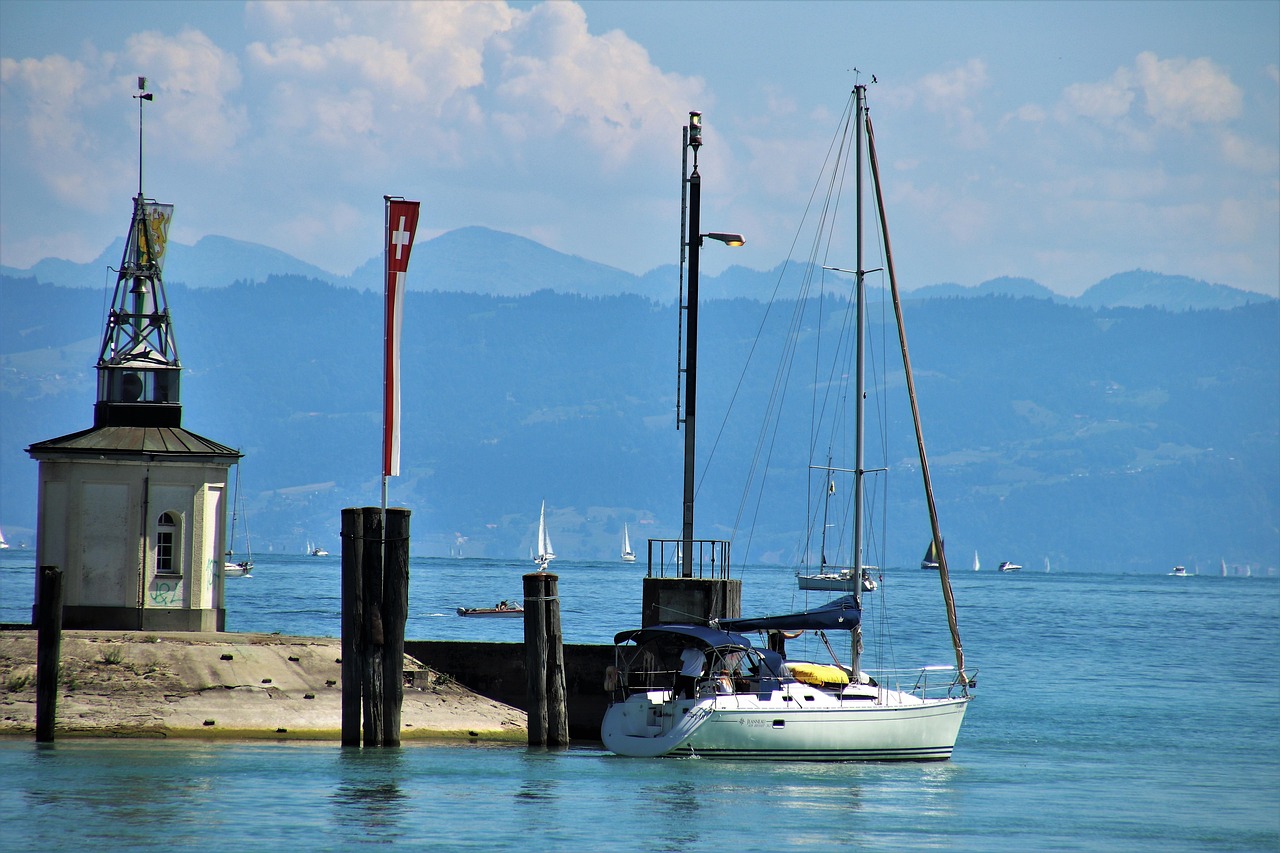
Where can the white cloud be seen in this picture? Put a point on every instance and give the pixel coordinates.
(1249, 155)
(197, 81)
(1105, 102)
(362, 81)
(1182, 92)
(952, 94)
(56, 92)
(1029, 113)
(603, 90)
(1174, 93)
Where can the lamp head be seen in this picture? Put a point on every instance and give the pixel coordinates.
(695, 129)
(727, 239)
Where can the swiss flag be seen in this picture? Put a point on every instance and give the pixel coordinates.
(402, 222)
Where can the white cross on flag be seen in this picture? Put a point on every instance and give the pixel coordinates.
(402, 221)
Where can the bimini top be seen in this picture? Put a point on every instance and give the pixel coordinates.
(700, 634)
(842, 614)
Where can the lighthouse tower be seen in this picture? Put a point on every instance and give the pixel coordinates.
(132, 510)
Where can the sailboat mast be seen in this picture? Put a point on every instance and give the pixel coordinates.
(860, 94)
(943, 573)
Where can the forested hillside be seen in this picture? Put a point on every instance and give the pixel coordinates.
(1102, 438)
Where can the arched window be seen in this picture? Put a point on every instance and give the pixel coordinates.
(167, 545)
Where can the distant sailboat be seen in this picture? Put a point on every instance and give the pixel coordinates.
(976, 565)
(545, 553)
(231, 567)
(930, 561)
(1046, 565)
(3, 544)
(628, 556)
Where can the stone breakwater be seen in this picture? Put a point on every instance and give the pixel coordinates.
(220, 685)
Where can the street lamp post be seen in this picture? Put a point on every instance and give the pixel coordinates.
(694, 243)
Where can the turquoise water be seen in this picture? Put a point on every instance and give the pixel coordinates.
(1112, 713)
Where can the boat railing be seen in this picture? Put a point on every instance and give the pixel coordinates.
(926, 682)
(709, 559)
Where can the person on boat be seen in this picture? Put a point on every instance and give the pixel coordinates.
(693, 662)
(724, 683)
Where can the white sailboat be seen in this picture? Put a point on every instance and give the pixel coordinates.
(628, 556)
(231, 567)
(976, 565)
(545, 553)
(747, 699)
(3, 544)
(833, 576)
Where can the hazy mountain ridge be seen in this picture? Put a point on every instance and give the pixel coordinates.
(1095, 437)
(481, 260)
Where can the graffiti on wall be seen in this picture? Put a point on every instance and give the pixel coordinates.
(165, 592)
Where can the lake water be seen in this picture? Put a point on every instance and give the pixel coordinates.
(1113, 712)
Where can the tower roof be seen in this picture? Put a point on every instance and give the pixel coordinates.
(135, 442)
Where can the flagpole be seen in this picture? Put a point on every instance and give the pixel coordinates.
(386, 342)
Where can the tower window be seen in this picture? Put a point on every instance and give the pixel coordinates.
(166, 544)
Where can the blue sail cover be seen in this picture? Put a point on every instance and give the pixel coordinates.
(841, 614)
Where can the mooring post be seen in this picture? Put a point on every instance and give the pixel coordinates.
(352, 622)
(48, 650)
(557, 707)
(395, 610)
(535, 654)
(371, 657)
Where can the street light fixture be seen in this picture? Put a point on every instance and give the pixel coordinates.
(727, 239)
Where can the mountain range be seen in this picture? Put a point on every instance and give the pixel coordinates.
(481, 260)
(1132, 428)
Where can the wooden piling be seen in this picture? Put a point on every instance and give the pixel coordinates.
(557, 707)
(544, 661)
(395, 611)
(48, 650)
(352, 622)
(371, 658)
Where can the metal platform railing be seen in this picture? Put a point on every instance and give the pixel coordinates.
(710, 559)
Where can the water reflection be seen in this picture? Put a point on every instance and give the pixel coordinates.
(368, 795)
(678, 807)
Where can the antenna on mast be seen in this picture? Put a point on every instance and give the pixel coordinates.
(143, 95)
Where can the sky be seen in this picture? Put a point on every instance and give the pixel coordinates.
(1062, 142)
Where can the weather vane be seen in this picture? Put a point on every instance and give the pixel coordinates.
(143, 95)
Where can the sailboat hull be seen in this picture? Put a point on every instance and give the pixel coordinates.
(891, 726)
(835, 582)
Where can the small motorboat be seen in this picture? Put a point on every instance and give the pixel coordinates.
(504, 608)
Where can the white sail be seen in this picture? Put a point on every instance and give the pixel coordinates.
(545, 552)
(628, 556)
(976, 564)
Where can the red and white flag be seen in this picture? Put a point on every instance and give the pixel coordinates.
(402, 221)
